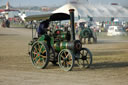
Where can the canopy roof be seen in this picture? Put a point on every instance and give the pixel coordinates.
(51, 17)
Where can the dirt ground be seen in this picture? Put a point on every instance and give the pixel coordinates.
(110, 63)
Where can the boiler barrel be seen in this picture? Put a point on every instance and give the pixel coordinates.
(74, 45)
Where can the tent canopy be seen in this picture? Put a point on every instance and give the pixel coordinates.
(85, 10)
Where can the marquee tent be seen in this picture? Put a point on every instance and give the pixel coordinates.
(95, 11)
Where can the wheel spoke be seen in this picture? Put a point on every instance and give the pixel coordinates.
(38, 61)
(69, 58)
(86, 54)
(88, 58)
(87, 61)
(44, 52)
(35, 57)
(63, 63)
(62, 57)
(65, 54)
(68, 63)
(81, 55)
(83, 52)
(35, 49)
(42, 56)
(34, 53)
(39, 47)
(42, 47)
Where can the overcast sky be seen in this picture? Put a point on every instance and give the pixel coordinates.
(55, 2)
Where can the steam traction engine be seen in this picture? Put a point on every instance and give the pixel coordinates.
(59, 47)
(87, 36)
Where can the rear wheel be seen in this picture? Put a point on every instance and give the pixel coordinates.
(40, 54)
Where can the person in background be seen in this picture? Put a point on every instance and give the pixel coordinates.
(3, 23)
(7, 22)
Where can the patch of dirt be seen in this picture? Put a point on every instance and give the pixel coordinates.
(110, 63)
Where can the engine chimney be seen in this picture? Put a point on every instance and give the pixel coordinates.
(72, 23)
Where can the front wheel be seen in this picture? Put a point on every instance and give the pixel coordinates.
(66, 60)
(85, 59)
(40, 54)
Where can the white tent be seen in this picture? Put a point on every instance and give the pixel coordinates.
(96, 11)
(65, 9)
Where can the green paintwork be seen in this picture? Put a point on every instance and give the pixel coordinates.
(64, 45)
(57, 46)
(52, 41)
(60, 45)
(63, 36)
(86, 32)
(41, 38)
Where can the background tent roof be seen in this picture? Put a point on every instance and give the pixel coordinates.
(85, 10)
(65, 9)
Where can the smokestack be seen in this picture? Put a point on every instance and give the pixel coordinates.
(72, 23)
